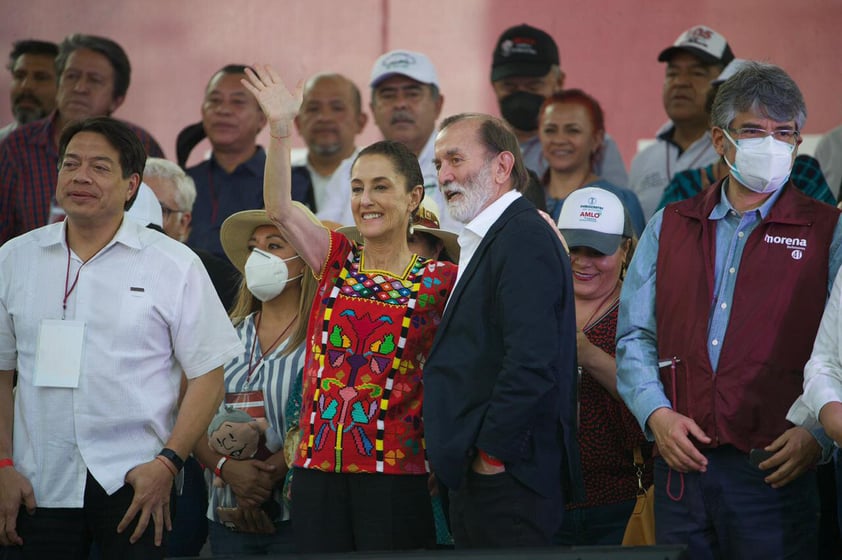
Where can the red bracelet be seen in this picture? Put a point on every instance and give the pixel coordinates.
(169, 468)
(218, 469)
(278, 137)
(6, 463)
(493, 461)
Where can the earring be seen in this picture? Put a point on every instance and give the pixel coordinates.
(411, 229)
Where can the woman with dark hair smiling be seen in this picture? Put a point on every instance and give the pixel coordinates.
(361, 472)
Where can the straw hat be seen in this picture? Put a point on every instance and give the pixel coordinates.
(238, 228)
(426, 220)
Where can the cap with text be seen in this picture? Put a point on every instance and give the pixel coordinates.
(523, 50)
(703, 42)
(596, 218)
(411, 64)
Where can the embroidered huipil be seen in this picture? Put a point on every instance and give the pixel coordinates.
(369, 335)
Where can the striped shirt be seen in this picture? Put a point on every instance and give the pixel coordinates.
(274, 375)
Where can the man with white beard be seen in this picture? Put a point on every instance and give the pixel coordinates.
(500, 382)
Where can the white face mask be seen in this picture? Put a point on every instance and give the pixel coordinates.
(267, 275)
(762, 164)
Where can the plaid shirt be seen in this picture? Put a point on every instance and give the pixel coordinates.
(29, 171)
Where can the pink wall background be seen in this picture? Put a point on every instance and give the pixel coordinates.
(608, 47)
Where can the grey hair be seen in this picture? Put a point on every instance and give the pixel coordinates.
(185, 188)
(763, 88)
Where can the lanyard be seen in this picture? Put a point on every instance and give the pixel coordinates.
(68, 291)
(269, 349)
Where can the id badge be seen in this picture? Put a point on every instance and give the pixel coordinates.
(58, 358)
(248, 401)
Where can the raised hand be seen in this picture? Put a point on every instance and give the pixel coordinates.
(277, 102)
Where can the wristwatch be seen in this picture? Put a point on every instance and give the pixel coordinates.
(177, 461)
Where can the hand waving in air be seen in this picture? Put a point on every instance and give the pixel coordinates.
(279, 105)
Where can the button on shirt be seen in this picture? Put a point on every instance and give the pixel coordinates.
(638, 379)
(150, 311)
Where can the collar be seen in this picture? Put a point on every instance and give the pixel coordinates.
(345, 162)
(128, 234)
(724, 205)
(483, 221)
(666, 131)
(254, 165)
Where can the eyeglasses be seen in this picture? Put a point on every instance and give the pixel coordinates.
(787, 135)
(166, 211)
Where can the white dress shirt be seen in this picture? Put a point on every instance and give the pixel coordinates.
(475, 230)
(823, 371)
(149, 310)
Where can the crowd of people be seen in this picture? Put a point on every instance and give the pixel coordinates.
(481, 333)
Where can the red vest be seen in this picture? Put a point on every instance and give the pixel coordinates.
(779, 298)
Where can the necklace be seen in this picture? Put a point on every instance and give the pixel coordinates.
(588, 324)
(269, 349)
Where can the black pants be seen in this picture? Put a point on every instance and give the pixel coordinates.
(498, 511)
(337, 512)
(69, 532)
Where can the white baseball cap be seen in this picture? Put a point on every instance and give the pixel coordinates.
(733, 67)
(146, 209)
(703, 42)
(596, 218)
(404, 63)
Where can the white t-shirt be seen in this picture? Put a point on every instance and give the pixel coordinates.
(150, 311)
(653, 167)
(322, 184)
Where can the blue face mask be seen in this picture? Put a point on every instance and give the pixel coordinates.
(763, 164)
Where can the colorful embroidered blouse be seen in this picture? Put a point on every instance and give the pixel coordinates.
(369, 335)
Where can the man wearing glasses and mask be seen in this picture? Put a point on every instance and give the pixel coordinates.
(718, 314)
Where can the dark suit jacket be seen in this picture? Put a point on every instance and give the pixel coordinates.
(501, 374)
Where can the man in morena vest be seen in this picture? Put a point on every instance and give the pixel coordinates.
(718, 314)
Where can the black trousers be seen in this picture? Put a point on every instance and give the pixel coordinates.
(338, 512)
(498, 511)
(69, 532)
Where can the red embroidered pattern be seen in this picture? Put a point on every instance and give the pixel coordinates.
(369, 335)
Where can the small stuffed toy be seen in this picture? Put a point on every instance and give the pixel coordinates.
(235, 434)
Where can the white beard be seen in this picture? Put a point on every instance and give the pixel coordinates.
(475, 192)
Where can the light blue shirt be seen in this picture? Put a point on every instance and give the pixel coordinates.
(638, 379)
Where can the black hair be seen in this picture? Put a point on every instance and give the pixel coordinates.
(107, 48)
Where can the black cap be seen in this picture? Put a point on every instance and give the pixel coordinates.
(523, 50)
